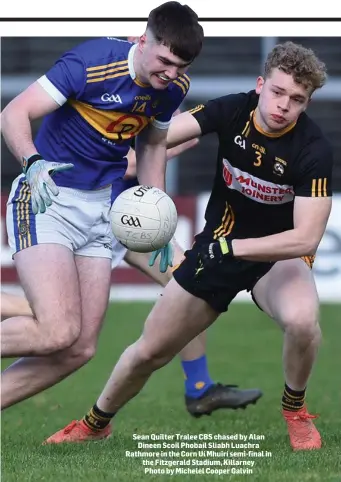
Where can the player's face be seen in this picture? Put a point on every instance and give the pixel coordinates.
(281, 100)
(159, 66)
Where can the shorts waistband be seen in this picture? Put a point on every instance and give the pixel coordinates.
(95, 195)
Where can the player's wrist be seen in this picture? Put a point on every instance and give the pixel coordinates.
(225, 246)
(214, 253)
(27, 162)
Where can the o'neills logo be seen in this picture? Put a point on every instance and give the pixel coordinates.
(255, 188)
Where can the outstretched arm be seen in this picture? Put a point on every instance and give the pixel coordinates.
(183, 128)
(310, 220)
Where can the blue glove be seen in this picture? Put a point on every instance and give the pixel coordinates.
(38, 175)
(166, 260)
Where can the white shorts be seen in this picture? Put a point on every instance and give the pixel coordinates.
(77, 219)
(118, 253)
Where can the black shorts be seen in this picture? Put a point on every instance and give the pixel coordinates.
(218, 286)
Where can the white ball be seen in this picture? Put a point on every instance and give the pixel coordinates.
(143, 218)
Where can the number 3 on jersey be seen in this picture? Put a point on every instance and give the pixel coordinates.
(258, 160)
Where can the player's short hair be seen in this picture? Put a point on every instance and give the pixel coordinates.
(177, 27)
(298, 61)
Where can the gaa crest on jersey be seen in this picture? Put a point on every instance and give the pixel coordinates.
(240, 141)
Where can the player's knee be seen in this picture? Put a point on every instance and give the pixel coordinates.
(83, 353)
(152, 357)
(88, 353)
(302, 322)
(78, 355)
(60, 336)
(73, 358)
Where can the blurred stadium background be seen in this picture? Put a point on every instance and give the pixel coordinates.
(226, 65)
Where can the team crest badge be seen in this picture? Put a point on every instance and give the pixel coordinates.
(278, 169)
(23, 228)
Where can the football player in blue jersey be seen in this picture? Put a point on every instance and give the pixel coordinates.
(202, 394)
(94, 100)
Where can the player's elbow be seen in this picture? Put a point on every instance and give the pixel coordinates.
(310, 250)
(11, 116)
(308, 245)
(7, 122)
(5, 119)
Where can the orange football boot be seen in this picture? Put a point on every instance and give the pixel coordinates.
(302, 432)
(77, 432)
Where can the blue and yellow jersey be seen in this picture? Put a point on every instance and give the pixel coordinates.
(103, 106)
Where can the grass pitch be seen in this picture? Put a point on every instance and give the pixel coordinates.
(244, 347)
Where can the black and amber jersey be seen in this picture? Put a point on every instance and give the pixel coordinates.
(259, 174)
(103, 106)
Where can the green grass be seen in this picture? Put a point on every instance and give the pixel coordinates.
(244, 347)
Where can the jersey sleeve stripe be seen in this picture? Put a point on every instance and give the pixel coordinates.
(309, 260)
(313, 188)
(105, 72)
(184, 81)
(187, 78)
(160, 125)
(184, 90)
(100, 79)
(52, 90)
(196, 109)
(101, 67)
(319, 189)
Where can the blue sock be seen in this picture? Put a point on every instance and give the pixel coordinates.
(197, 378)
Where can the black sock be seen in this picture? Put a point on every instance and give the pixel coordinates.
(292, 400)
(96, 420)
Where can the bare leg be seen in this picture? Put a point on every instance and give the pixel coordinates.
(288, 294)
(196, 348)
(29, 376)
(202, 394)
(14, 305)
(49, 278)
(175, 319)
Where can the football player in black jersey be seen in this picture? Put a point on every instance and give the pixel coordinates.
(267, 213)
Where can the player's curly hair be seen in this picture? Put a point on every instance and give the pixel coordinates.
(302, 63)
(177, 27)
